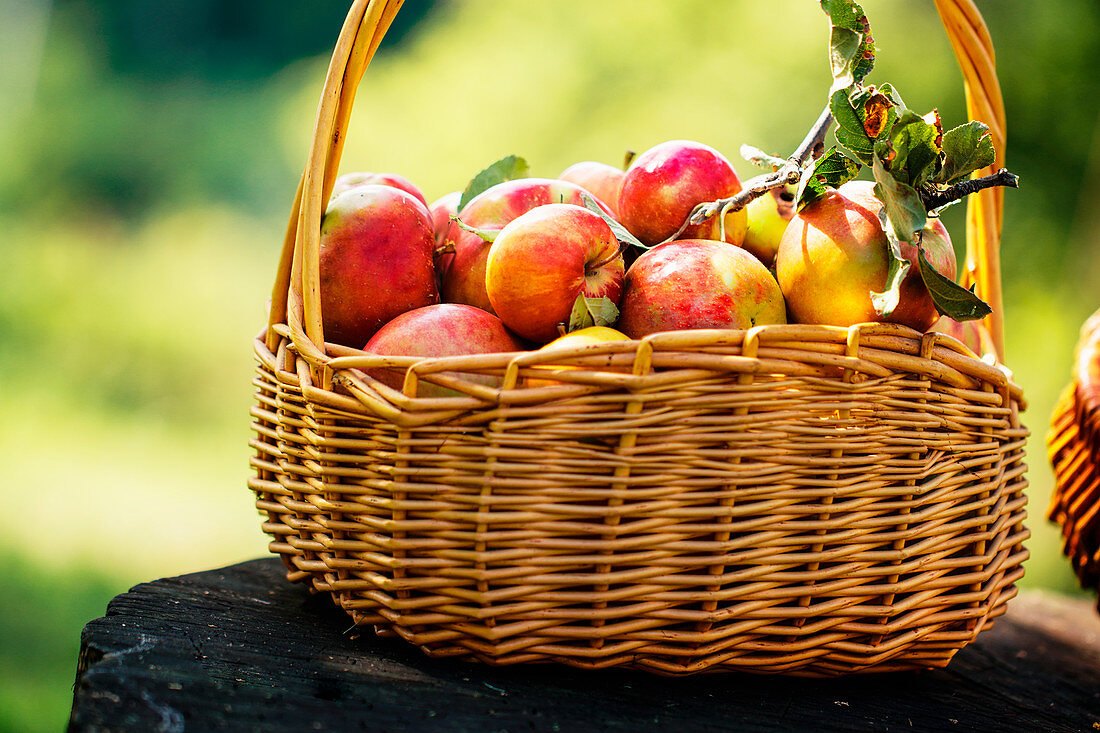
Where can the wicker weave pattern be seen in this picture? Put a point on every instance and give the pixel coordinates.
(799, 499)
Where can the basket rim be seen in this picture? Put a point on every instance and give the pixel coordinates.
(873, 351)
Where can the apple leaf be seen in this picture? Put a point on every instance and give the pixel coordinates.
(863, 116)
(950, 298)
(508, 168)
(489, 235)
(831, 170)
(903, 212)
(622, 234)
(592, 312)
(851, 47)
(967, 148)
(886, 301)
(759, 158)
(911, 150)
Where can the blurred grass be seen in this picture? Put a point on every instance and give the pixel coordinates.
(140, 221)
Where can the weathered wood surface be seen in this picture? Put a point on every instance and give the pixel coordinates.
(240, 648)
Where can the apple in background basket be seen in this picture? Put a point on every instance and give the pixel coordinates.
(834, 254)
(698, 283)
(664, 184)
(376, 261)
(600, 179)
(463, 271)
(348, 181)
(542, 261)
(445, 329)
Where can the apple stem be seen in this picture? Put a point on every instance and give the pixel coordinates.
(592, 269)
(789, 175)
(933, 200)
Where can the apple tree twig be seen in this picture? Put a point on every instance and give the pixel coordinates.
(933, 200)
(788, 175)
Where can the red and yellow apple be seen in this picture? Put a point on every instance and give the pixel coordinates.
(698, 283)
(376, 261)
(663, 185)
(834, 254)
(463, 269)
(768, 216)
(600, 179)
(543, 260)
(347, 181)
(444, 329)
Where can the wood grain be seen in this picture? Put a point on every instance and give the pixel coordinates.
(240, 648)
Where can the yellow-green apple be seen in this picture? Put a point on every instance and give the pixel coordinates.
(834, 255)
(444, 329)
(768, 216)
(543, 260)
(664, 184)
(442, 209)
(698, 283)
(600, 179)
(346, 181)
(376, 261)
(584, 337)
(462, 265)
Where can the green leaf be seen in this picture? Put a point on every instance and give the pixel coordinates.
(903, 213)
(579, 317)
(886, 301)
(851, 47)
(950, 298)
(508, 168)
(489, 235)
(967, 148)
(622, 235)
(592, 312)
(831, 170)
(911, 149)
(863, 116)
(759, 158)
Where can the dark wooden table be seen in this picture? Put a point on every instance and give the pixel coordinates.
(240, 648)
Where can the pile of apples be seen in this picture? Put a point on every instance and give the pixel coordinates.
(605, 252)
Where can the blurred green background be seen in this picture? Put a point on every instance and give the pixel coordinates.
(149, 151)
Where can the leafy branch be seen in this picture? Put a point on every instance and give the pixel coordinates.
(918, 167)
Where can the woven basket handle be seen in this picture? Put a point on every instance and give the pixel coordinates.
(296, 295)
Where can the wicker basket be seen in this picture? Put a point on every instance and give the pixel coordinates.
(801, 499)
(1073, 448)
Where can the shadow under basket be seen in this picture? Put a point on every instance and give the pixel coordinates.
(797, 499)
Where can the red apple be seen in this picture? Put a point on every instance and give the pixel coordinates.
(444, 329)
(834, 255)
(968, 332)
(600, 179)
(768, 217)
(376, 255)
(543, 260)
(464, 270)
(442, 209)
(664, 184)
(347, 181)
(698, 283)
